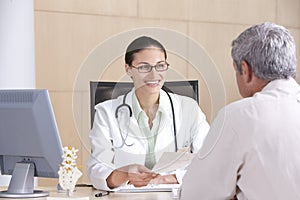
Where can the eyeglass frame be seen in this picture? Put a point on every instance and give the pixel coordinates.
(152, 66)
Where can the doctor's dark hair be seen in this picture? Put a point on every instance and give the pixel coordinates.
(269, 49)
(140, 44)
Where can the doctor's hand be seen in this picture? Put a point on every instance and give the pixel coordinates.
(164, 179)
(135, 174)
(139, 175)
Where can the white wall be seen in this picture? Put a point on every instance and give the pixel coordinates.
(17, 56)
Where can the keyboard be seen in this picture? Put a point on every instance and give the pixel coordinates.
(149, 188)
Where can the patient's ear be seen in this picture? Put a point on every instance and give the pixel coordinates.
(247, 73)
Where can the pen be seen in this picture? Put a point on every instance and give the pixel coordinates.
(101, 194)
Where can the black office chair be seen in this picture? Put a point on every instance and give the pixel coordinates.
(102, 91)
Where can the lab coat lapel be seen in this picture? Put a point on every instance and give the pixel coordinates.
(134, 130)
(165, 135)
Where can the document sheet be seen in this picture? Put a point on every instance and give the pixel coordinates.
(170, 161)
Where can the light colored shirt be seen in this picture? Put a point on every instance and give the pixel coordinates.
(252, 149)
(120, 142)
(150, 133)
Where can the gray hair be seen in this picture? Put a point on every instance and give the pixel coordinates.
(269, 49)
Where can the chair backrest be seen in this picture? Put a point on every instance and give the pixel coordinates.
(102, 91)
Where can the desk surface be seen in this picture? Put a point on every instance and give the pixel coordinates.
(89, 192)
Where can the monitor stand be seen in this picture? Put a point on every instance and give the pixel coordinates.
(22, 183)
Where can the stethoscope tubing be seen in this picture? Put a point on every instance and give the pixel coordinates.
(130, 114)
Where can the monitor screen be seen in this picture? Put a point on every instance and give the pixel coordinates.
(29, 138)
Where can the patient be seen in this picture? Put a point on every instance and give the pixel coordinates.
(252, 150)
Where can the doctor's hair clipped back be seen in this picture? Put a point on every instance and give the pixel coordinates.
(140, 44)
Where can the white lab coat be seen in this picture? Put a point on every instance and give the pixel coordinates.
(252, 149)
(105, 136)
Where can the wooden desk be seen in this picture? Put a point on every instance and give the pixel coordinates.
(89, 192)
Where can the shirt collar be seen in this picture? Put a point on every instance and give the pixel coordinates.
(279, 84)
(136, 108)
(164, 104)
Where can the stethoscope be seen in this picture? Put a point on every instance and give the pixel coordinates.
(126, 106)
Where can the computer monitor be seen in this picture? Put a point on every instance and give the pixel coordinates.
(30, 144)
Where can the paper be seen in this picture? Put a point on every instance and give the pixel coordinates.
(170, 161)
(68, 198)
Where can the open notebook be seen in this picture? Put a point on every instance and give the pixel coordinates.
(149, 188)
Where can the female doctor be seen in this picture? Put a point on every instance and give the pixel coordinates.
(130, 133)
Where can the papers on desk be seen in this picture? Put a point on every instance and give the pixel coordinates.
(170, 161)
(68, 198)
(128, 188)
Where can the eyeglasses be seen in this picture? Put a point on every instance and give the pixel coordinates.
(145, 68)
